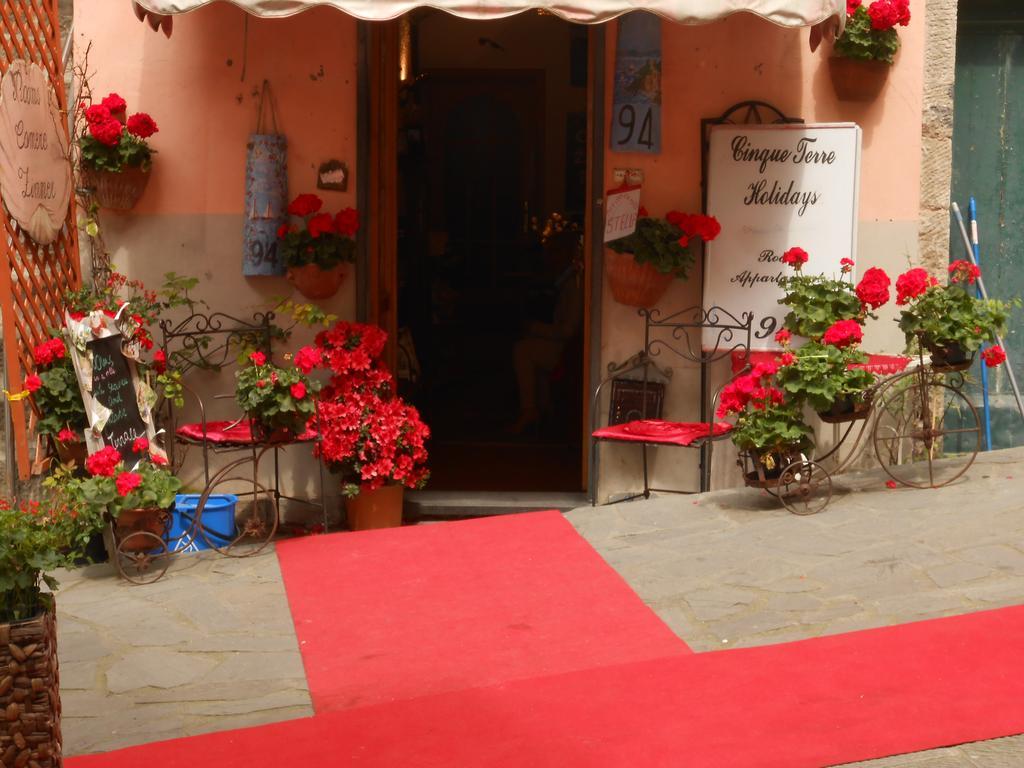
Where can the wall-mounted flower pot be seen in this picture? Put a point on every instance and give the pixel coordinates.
(315, 283)
(633, 284)
(117, 191)
(857, 79)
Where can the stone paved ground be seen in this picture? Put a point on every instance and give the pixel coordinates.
(210, 647)
(733, 569)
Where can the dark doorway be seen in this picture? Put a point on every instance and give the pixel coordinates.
(492, 176)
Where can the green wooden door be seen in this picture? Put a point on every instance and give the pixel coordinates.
(988, 163)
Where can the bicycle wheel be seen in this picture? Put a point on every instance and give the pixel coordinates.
(255, 519)
(142, 557)
(804, 487)
(927, 433)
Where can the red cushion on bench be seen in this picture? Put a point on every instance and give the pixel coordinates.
(663, 432)
(229, 433)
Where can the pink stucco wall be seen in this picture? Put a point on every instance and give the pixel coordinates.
(707, 69)
(191, 84)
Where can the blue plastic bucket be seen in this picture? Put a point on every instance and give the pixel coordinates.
(218, 521)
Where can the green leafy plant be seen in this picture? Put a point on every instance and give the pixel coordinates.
(55, 390)
(816, 301)
(766, 420)
(949, 315)
(822, 374)
(870, 33)
(278, 398)
(36, 538)
(321, 239)
(667, 244)
(111, 487)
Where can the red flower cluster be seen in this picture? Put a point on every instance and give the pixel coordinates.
(912, 284)
(846, 265)
(347, 222)
(305, 205)
(886, 14)
(142, 125)
(962, 270)
(754, 390)
(104, 462)
(352, 352)
(160, 361)
(308, 358)
(298, 390)
(67, 436)
(127, 482)
(116, 104)
(693, 225)
(873, 288)
(783, 336)
(49, 351)
(321, 224)
(843, 333)
(33, 382)
(795, 257)
(852, 6)
(141, 445)
(258, 358)
(993, 356)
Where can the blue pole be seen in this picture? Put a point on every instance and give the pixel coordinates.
(972, 210)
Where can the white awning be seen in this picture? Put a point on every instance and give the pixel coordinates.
(788, 13)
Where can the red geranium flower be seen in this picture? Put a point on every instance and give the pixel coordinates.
(142, 125)
(795, 257)
(298, 390)
(883, 15)
(911, 284)
(282, 231)
(305, 205)
(787, 358)
(159, 460)
(141, 445)
(846, 265)
(852, 6)
(127, 482)
(321, 224)
(963, 270)
(97, 113)
(104, 462)
(258, 358)
(114, 103)
(873, 288)
(67, 436)
(108, 132)
(308, 358)
(783, 336)
(261, 383)
(993, 356)
(684, 241)
(33, 382)
(347, 222)
(160, 361)
(48, 352)
(843, 333)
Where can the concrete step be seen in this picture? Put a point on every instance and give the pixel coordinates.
(456, 504)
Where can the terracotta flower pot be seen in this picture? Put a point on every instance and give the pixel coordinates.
(380, 508)
(120, 190)
(316, 283)
(74, 453)
(633, 284)
(857, 79)
(29, 692)
(136, 521)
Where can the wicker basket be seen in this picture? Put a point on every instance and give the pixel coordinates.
(30, 693)
(633, 284)
(117, 191)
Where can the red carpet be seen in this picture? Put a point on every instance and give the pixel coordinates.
(811, 703)
(403, 613)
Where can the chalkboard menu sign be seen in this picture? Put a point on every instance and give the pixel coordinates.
(113, 386)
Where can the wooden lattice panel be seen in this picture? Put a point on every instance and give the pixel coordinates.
(32, 277)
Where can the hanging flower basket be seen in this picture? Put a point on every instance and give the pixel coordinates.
(633, 284)
(949, 357)
(379, 508)
(120, 190)
(857, 79)
(316, 283)
(846, 408)
(29, 693)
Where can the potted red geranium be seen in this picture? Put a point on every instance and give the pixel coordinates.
(641, 266)
(863, 54)
(279, 401)
(375, 440)
(315, 251)
(116, 160)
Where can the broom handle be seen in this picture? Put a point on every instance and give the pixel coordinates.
(972, 211)
(984, 293)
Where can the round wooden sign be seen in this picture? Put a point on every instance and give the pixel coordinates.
(35, 165)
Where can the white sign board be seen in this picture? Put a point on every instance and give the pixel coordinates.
(773, 187)
(622, 206)
(35, 166)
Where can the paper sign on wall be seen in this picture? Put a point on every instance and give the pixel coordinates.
(621, 208)
(773, 187)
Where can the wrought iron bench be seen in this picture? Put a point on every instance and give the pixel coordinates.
(697, 335)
